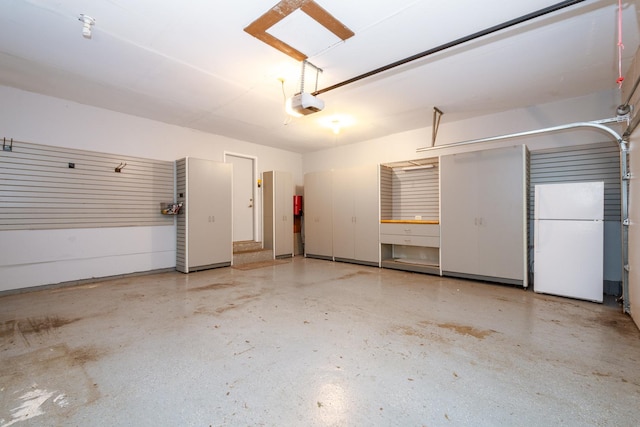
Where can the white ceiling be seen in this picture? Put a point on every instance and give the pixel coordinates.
(191, 64)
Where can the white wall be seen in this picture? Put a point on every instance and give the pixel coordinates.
(403, 146)
(32, 258)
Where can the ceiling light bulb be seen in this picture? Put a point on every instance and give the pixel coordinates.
(87, 23)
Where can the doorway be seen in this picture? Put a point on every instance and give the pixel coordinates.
(244, 197)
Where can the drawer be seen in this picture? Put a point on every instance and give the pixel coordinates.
(411, 229)
(396, 239)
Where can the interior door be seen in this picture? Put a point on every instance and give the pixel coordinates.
(243, 197)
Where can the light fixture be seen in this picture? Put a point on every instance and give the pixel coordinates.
(417, 167)
(87, 23)
(304, 103)
(335, 126)
(336, 122)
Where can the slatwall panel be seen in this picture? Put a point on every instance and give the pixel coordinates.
(416, 193)
(386, 191)
(592, 162)
(39, 190)
(181, 187)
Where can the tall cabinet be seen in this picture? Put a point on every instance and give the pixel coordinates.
(356, 218)
(278, 212)
(483, 215)
(318, 215)
(204, 227)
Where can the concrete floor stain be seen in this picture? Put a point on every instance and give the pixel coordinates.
(32, 326)
(467, 330)
(354, 274)
(212, 287)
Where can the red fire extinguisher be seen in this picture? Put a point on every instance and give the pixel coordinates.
(297, 205)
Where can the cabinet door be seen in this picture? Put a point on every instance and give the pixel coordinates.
(209, 212)
(222, 225)
(459, 217)
(343, 215)
(366, 212)
(318, 223)
(283, 215)
(501, 207)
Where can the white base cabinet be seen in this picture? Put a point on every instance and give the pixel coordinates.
(204, 225)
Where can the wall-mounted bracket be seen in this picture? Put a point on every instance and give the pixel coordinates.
(436, 124)
(6, 147)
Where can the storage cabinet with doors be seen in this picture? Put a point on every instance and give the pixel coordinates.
(483, 215)
(318, 216)
(278, 212)
(204, 226)
(356, 218)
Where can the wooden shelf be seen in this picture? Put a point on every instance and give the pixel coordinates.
(408, 221)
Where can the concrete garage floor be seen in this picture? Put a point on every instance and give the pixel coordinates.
(313, 343)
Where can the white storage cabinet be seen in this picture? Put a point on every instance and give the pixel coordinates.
(483, 215)
(204, 226)
(356, 215)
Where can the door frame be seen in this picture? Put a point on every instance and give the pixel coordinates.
(257, 195)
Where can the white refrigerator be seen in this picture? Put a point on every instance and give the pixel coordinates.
(569, 240)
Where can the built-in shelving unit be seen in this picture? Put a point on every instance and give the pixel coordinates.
(409, 212)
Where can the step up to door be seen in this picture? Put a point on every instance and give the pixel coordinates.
(246, 245)
(247, 252)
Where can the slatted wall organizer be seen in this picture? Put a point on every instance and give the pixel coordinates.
(47, 187)
(584, 163)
